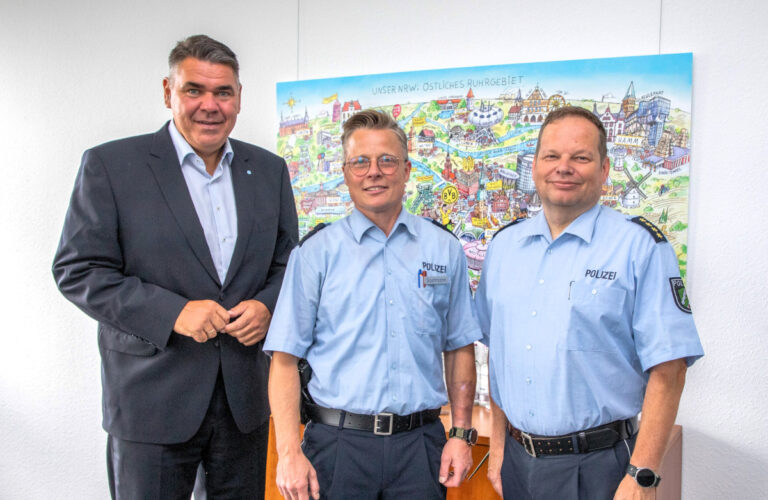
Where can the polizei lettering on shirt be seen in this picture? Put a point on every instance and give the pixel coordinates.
(428, 266)
(602, 275)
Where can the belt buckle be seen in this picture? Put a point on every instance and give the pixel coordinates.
(377, 421)
(528, 444)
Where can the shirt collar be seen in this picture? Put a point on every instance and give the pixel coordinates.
(360, 224)
(583, 226)
(183, 149)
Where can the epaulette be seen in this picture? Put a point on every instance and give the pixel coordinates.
(516, 221)
(658, 236)
(313, 231)
(433, 221)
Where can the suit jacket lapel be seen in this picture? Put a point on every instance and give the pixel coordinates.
(165, 166)
(245, 202)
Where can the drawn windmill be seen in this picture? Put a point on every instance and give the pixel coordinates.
(633, 193)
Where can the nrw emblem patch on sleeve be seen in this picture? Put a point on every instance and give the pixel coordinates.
(681, 297)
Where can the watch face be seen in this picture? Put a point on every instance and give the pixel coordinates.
(472, 437)
(645, 477)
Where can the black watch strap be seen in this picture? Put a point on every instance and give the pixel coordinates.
(645, 477)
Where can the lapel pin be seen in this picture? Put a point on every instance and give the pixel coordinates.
(248, 172)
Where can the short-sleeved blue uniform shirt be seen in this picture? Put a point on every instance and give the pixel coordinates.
(372, 314)
(573, 325)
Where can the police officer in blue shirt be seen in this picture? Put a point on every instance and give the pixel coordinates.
(371, 301)
(587, 324)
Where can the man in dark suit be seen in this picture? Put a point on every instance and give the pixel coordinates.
(176, 243)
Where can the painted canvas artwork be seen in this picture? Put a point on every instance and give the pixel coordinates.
(472, 134)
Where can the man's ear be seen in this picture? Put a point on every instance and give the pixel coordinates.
(167, 92)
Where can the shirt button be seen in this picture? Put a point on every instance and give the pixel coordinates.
(533, 313)
(594, 292)
(394, 366)
(541, 282)
(528, 380)
(530, 413)
(389, 271)
(216, 343)
(528, 347)
(391, 302)
(394, 398)
(393, 333)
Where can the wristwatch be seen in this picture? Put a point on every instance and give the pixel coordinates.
(468, 435)
(644, 476)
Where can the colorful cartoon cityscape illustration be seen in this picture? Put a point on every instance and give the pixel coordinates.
(472, 134)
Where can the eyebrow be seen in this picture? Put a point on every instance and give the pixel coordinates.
(200, 86)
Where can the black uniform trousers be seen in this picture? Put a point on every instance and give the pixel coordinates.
(582, 476)
(357, 465)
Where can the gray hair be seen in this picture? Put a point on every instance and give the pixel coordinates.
(204, 48)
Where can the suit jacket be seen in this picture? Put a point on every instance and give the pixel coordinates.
(132, 253)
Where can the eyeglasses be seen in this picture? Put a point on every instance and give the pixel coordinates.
(361, 164)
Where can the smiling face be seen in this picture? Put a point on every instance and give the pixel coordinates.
(377, 195)
(568, 171)
(205, 100)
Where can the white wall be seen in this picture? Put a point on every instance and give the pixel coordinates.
(81, 72)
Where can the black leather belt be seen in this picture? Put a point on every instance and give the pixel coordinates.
(381, 424)
(596, 438)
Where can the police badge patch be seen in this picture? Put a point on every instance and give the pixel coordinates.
(681, 297)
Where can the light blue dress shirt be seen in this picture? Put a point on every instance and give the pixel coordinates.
(213, 197)
(574, 324)
(372, 314)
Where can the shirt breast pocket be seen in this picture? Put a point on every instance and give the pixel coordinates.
(431, 306)
(596, 318)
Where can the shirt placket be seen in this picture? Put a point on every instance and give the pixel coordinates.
(536, 327)
(394, 308)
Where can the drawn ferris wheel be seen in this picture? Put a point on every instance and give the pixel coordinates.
(555, 101)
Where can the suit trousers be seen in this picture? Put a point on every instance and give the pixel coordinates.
(582, 476)
(234, 462)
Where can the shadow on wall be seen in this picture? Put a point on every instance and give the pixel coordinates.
(716, 468)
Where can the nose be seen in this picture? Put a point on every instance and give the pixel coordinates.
(208, 102)
(374, 173)
(564, 166)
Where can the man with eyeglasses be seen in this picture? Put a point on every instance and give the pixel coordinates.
(371, 301)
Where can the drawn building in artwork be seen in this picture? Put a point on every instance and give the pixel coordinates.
(678, 158)
(499, 201)
(513, 113)
(535, 107)
(294, 124)
(348, 109)
(618, 153)
(470, 100)
(613, 122)
(508, 178)
(447, 172)
(649, 118)
(628, 103)
(448, 103)
(426, 140)
(467, 181)
(487, 115)
(525, 171)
